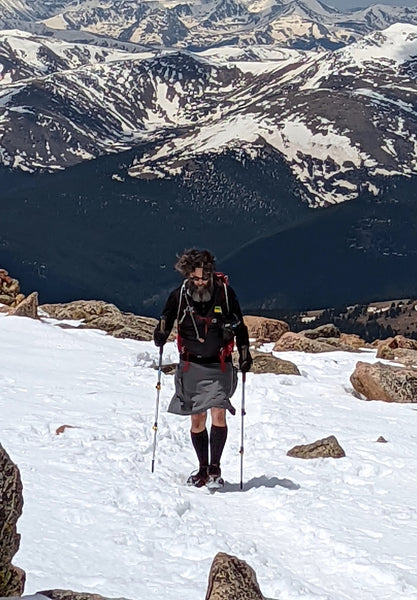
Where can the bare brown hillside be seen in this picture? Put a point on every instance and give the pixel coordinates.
(376, 320)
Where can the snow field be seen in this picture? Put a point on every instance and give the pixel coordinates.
(97, 520)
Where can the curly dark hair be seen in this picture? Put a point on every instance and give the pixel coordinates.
(193, 259)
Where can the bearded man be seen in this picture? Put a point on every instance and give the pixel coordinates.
(209, 318)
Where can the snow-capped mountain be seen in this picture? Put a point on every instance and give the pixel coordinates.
(341, 120)
(14, 12)
(205, 23)
(199, 25)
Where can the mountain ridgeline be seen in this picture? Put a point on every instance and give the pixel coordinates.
(280, 135)
(373, 321)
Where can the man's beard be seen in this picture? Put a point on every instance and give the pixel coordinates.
(202, 293)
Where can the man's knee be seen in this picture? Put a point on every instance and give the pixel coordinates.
(198, 422)
(218, 417)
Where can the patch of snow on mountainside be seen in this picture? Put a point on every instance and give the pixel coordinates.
(389, 48)
(56, 22)
(13, 12)
(397, 43)
(10, 8)
(381, 15)
(256, 59)
(23, 55)
(296, 137)
(293, 139)
(213, 137)
(331, 115)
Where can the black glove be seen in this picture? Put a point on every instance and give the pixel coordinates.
(160, 336)
(245, 359)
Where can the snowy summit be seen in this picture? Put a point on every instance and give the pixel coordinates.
(96, 519)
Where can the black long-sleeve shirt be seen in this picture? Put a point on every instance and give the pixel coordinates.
(205, 328)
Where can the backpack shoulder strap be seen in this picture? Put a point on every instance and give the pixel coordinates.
(224, 281)
(226, 296)
(180, 300)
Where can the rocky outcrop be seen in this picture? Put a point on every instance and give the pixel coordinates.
(330, 334)
(97, 314)
(70, 595)
(324, 331)
(353, 341)
(10, 294)
(385, 382)
(405, 357)
(300, 343)
(28, 307)
(304, 343)
(386, 348)
(232, 579)
(265, 330)
(267, 363)
(263, 362)
(15, 303)
(337, 344)
(326, 448)
(12, 579)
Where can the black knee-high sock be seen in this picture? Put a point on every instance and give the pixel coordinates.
(218, 437)
(200, 443)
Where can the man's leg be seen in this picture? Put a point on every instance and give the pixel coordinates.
(198, 422)
(200, 441)
(218, 436)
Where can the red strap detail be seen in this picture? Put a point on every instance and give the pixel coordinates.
(183, 352)
(224, 353)
(224, 278)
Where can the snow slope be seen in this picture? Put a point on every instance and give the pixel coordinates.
(95, 518)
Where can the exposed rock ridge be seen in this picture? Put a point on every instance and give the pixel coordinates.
(12, 579)
(97, 314)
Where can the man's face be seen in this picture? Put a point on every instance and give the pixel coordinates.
(199, 278)
(200, 285)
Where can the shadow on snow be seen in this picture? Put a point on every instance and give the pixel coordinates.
(257, 482)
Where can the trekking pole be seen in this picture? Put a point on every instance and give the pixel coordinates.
(242, 431)
(158, 391)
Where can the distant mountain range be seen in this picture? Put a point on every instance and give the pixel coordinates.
(128, 131)
(203, 24)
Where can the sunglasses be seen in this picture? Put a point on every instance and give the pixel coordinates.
(195, 279)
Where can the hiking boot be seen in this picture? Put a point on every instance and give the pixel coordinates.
(215, 479)
(198, 478)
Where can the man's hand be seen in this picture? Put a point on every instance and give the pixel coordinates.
(245, 359)
(160, 336)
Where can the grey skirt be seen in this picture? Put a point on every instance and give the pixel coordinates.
(201, 387)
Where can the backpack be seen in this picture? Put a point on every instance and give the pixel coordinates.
(227, 325)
